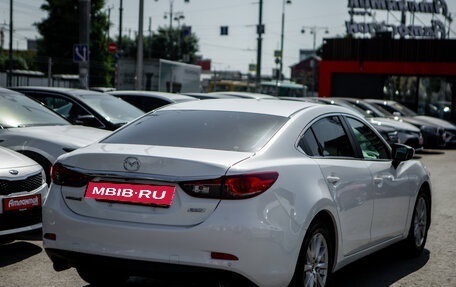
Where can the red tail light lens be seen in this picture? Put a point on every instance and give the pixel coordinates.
(63, 176)
(231, 187)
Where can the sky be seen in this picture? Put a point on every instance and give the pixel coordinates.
(236, 50)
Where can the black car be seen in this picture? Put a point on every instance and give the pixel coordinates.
(84, 107)
(150, 100)
(407, 133)
(436, 132)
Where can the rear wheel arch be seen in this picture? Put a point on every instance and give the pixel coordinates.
(327, 219)
(322, 223)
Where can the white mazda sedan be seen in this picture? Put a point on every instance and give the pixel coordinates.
(278, 193)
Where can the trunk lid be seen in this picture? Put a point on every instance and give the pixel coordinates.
(151, 167)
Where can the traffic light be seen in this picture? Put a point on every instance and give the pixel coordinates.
(224, 30)
(260, 29)
(186, 31)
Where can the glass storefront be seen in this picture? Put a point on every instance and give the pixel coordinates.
(425, 95)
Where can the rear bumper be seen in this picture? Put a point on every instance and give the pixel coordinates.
(63, 259)
(267, 253)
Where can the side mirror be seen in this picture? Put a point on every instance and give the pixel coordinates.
(87, 120)
(401, 153)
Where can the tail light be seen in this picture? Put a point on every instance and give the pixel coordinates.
(63, 176)
(231, 187)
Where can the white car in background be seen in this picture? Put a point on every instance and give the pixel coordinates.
(23, 190)
(276, 192)
(35, 131)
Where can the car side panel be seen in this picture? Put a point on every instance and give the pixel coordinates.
(350, 183)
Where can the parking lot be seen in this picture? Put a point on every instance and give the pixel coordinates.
(24, 263)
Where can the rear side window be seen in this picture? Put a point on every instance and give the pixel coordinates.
(327, 137)
(219, 130)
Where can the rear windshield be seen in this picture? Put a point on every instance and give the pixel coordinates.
(219, 130)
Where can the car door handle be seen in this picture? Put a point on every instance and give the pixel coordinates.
(389, 177)
(332, 179)
(379, 180)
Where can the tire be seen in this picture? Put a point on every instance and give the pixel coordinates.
(100, 277)
(419, 226)
(315, 258)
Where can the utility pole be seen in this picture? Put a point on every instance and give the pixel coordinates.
(139, 59)
(109, 25)
(260, 39)
(281, 38)
(84, 32)
(119, 42)
(10, 62)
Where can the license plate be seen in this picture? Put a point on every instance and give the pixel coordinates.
(21, 203)
(157, 195)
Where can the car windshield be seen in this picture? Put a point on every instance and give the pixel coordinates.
(112, 108)
(17, 110)
(403, 110)
(219, 130)
(374, 110)
(357, 109)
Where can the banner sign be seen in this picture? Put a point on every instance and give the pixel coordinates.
(436, 29)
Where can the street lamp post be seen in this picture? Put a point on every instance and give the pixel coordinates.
(178, 16)
(281, 37)
(259, 43)
(139, 64)
(313, 31)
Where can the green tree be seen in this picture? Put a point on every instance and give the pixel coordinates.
(176, 44)
(60, 31)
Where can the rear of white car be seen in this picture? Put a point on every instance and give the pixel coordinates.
(175, 207)
(23, 190)
(229, 190)
(111, 217)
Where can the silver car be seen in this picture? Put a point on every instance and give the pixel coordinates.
(275, 192)
(23, 190)
(37, 132)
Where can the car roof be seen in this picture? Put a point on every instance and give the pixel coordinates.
(273, 107)
(245, 95)
(153, 94)
(209, 96)
(62, 90)
(384, 102)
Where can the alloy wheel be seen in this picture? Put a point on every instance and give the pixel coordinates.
(317, 261)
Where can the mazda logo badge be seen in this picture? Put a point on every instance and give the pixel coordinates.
(131, 164)
(14, 172)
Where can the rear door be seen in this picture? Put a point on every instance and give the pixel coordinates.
(347, 178)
